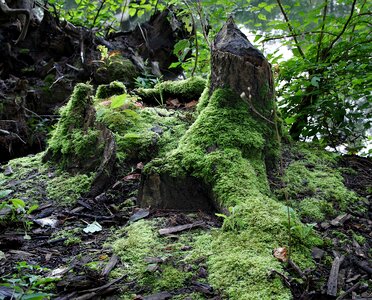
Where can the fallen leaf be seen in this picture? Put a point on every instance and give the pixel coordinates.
(281, 254)
(50, 222)
(140, 166)
(138, 215)
(93, 227)
(173, 103)
(133, 176)
(191, 104)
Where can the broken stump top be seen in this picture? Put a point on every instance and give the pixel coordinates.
(231, 39)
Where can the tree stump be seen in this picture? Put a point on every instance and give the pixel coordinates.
(227, 146)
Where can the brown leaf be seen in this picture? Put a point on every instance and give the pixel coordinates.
(191, 104)
(281, 254)
(173, 103)
(133, 176)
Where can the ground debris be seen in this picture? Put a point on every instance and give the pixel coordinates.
(179, 228)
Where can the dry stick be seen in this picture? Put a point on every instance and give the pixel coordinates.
(291, 29)
(352, 289)
(279, 37)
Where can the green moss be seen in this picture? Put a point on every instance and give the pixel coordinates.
(188, 89)
(65, 189)
(107, 90)
(171, 278)
(226, 148)
(315, 175)
(315, 210)
(72, 139)
(116, 67)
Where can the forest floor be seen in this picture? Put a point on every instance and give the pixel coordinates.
(65, 251)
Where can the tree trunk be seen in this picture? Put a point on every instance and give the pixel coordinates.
(235, 127)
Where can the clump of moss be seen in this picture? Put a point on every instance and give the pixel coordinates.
(116, 67)
(315, 210)
(66, 189)
(225, 148)
(188, 89)
(315, 175)
(107, 90)
(75, 137)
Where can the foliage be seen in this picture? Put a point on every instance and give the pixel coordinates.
(29, 283)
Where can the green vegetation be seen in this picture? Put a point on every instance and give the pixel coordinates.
(188, 89)
(29, 282)
(75, 138)
(314, 185)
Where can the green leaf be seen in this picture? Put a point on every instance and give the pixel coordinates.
(35, 296)
(174, 65)
(4, 193)
(290, 120)
(262, 17)
(118, 101)
(315, 81)
(18, 203)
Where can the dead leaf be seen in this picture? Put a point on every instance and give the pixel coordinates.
(173, 103)
(281, 254)
(140, 166)
(93, 227)
(133, 176)
(191, 104)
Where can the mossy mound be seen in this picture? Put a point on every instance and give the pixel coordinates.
(224, 148)
(184, 90)
(116, 67)
(35, 182)
(75, 143)
(314, 184)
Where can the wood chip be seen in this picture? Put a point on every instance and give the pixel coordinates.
(175, 229)
(333, 276)
(111, 264)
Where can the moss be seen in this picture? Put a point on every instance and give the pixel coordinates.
(71, 235)
(315, 210)
(315, 175)
(72, 137)
(65, 189)
(107, 90)
(171, 278)
(188, 89)
(116, 67)
(225, 147)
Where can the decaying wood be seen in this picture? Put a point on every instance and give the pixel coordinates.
(333, 276)
(179, 228)
(111, 264)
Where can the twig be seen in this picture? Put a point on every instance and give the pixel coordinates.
(196, 40)
(12, 133)
(98, 12)
(249, 101)
(343, 29)
(286, 280)
(279, 37)
(322, 30)
(291, 29)
(344, 294)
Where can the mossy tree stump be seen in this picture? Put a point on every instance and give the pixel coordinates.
(227, 146)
